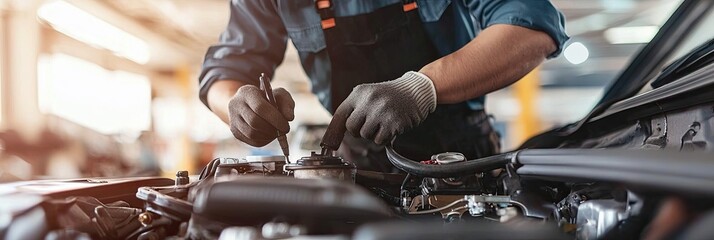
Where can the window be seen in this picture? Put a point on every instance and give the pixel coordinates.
(110, 102)
(700, 34)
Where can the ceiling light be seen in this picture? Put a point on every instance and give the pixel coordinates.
(576, 53)
(631, 35)
(85, 27)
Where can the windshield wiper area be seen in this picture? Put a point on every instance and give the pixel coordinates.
(698, 58)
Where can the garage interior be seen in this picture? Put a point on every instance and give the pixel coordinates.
(106, 131)
(108, 88)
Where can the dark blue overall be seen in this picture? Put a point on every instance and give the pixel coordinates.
(380, 46)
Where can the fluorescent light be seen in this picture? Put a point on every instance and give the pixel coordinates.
(87, 28)
(631, 35)
(576, 53)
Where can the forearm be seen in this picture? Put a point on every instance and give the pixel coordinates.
(220, 94)
(499, 56)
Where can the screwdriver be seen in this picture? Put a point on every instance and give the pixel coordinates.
(282, 139)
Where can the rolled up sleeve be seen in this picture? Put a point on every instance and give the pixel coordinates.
(254, 42)
(538, 15)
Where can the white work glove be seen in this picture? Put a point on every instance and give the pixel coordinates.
(253, 120)
(380, 111)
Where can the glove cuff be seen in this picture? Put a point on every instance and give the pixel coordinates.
(421, 88)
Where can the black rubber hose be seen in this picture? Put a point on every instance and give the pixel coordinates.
(448, 170)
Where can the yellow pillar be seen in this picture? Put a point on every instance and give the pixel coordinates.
(188, 161)
(526, 91)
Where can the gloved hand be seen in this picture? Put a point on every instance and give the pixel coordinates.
(380, 111)
(253, 120)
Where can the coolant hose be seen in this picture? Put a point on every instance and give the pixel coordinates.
(448, 170)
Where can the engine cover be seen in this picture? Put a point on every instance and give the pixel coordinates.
(249, 200)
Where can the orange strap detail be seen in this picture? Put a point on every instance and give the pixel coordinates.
(322, 4)
(328, 23)
(409, 6)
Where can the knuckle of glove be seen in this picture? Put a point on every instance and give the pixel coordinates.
(383, 136)
(364, 91)
(369, 129)
(283, 94)
(239, 135)
(248, 90)
(286, 104)
(236, 133)
(359, 88)
(245, 95)
(262, 108)
(355, 118)
(252, 133)
(394, 124)
(255, 122)
(269, 113)
(372, 95)
(251, 138)
(366, 133)
(234, 105)
(352, 127)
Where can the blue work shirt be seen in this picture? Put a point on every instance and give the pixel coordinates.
(256, 37)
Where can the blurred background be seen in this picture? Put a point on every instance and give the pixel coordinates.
(109, 87)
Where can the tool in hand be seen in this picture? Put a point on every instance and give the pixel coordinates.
(282, 139)
(334, 135)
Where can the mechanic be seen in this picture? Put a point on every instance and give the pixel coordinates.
(416, 69)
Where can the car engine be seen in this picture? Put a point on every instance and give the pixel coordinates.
(528, 194)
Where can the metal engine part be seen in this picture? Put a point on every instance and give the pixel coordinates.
(467, 230)
(273, 230)
(462, 185)
(452, 206)
(239, 233)
(448, 206)
(252, 165)
(448, 157)
(477, 204)
(447, 196)
(318, 166)
(597, 217)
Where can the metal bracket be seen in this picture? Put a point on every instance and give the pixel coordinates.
(658, 139)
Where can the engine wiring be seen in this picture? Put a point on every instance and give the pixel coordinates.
(210, 169)
(436, 210)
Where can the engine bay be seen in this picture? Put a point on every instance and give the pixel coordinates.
(528, 194)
